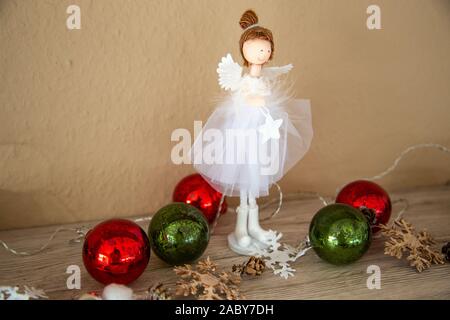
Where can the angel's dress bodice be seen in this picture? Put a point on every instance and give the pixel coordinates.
(230, 152)
(258, 86)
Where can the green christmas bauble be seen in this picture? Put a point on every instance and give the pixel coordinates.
(340, 234)
(179, 233)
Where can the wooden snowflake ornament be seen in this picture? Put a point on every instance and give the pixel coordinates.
(206, 283)
(404, 239)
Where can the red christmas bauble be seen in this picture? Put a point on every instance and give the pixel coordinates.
(196, 191)
(362, 193)
(116, 251)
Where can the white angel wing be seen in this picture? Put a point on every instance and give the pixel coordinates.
(273, 72)
(230, 73)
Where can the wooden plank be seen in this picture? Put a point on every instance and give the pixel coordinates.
(314, 279)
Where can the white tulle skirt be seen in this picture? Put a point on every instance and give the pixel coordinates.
(231, 154)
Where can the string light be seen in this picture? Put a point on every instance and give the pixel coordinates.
(302, 247)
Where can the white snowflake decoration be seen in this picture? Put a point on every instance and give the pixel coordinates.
(279, 255)
(12, 293)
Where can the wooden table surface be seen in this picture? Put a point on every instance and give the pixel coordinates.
(314, 278)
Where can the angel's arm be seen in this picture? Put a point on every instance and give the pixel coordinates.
(274, 72)
(230, 73)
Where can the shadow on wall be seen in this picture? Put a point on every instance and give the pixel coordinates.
(16, 206)
(26, 196)
(4, 3)
(31, 208)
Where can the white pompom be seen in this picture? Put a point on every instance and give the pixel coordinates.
(117, 292)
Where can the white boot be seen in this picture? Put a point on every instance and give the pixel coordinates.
(254, 229)
(240, 231)
(239, 241)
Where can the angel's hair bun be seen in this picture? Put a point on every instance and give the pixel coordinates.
(249, 22)
(248, 19)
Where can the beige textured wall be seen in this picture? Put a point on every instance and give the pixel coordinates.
(86, 115)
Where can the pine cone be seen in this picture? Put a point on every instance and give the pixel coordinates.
(253, 267)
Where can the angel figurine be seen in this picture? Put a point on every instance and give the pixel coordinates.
(254, 136)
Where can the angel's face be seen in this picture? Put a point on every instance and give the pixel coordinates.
(257, 51)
